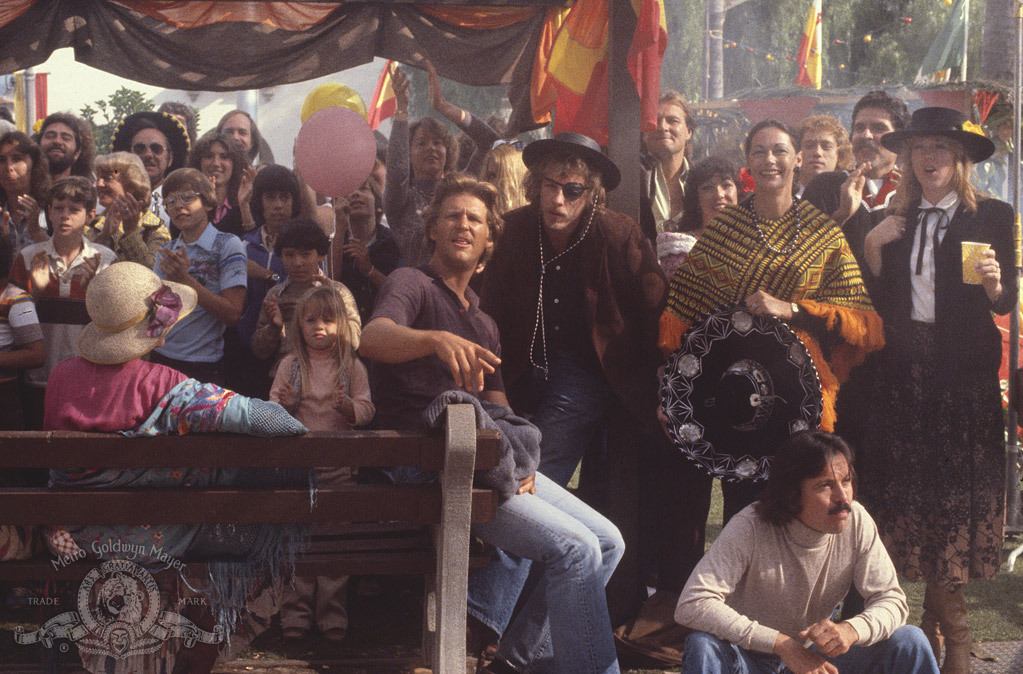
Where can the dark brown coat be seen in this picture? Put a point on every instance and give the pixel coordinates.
(624, 291)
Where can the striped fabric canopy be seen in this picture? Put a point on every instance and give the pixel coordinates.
(232, 45)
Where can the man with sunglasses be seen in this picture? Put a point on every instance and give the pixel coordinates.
(161, 142)
(575, 290)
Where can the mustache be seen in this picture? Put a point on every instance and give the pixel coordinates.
(840, 507)
(862, 143)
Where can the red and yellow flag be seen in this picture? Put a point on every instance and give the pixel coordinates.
(383, 103)
(571, 71)
(645, 55)
(808, 63)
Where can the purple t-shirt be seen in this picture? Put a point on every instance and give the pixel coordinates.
(418, 298)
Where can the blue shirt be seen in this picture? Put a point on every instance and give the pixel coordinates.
(218, 262)
(256, 292)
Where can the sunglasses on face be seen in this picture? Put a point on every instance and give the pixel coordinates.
(155, 148)
(572, 191)
(183, 198)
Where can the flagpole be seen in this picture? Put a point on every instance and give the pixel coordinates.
(966, 39)
(1014, 518)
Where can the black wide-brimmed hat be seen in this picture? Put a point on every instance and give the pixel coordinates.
(737, 387)
(169, 125)
(578, 144)
(943, 122)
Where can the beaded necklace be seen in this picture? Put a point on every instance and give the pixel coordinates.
(539, 327)
(762, 237)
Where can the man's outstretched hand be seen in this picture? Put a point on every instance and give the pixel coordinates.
(469, 362)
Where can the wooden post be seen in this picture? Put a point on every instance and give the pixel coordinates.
(623, 148)
(623, 111)
(447, 602)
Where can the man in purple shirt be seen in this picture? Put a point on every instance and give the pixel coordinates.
(429, 336)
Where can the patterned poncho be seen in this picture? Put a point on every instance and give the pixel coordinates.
(730, 262)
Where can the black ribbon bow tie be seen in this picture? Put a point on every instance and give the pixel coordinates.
(922, 223)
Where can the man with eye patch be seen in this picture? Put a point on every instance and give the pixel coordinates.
(161, 142)
(575, 289)
(576, 292)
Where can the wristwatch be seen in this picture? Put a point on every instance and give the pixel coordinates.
(275, 278)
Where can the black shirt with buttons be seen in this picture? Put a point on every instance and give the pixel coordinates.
(564, 309)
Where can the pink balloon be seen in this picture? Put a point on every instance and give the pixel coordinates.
(334, 151)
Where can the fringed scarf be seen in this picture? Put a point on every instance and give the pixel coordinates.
(246, 554)
(731, 261)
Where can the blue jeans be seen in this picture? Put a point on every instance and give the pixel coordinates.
(572, 413)
(573, 405)
(563, 625)
(905, 652)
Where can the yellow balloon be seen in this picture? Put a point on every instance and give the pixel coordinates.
(331, 95)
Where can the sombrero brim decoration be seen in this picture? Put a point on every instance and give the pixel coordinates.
(735, 389)
(169, 125)
(937, 121)
(575, 143)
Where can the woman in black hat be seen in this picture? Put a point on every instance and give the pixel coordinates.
(938, 417)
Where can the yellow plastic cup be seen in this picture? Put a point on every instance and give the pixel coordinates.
(973, 252)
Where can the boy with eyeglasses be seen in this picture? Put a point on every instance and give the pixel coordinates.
(56, 273)
(213, 263)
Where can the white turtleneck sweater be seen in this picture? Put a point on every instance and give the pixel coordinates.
(759, 579)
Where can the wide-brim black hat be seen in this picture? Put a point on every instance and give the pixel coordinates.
(169, 125)
(578, 144)
(943, 122)
(738, 386)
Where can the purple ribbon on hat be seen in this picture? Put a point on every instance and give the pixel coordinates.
(166, 307)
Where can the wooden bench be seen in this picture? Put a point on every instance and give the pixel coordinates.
(406, 529)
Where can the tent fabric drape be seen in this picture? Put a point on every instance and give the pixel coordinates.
(225, 46)
(548, 53)
(293, 16)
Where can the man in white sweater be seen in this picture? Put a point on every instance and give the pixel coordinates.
(761, 599)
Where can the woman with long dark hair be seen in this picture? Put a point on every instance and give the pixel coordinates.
(24, 189)
(222, 159)
(710, 187)
(780, 257)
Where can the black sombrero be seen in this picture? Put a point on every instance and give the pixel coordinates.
(578, 144)
(737, 387)
(169, 125)
(943, 122)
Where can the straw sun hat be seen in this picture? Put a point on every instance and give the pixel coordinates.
(132, 309)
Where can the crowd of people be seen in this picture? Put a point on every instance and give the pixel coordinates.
(502, 278)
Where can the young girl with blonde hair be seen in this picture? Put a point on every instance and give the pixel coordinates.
(324, 385)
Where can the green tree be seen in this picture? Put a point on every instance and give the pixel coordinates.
(865, 42)
(104, 115)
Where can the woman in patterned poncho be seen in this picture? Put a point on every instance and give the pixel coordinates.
(780, 257)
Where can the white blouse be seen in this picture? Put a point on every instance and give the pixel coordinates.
(921, 263)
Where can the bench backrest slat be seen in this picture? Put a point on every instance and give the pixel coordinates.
(419, 504)
(43, 449)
